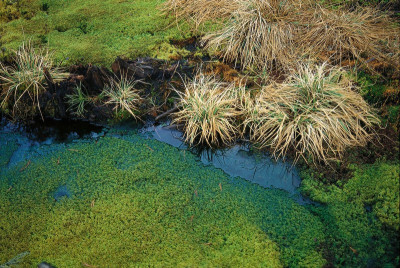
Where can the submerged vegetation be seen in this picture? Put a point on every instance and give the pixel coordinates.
(363, 213)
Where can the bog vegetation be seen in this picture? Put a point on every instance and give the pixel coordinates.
(313, 80)
(305, 104)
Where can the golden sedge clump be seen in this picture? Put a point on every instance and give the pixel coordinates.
(123, 95)
(261, 34)
(362, 34)
(314, 113)
(207, 108)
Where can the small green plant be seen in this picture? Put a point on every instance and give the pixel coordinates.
(123, 95)
(27, 75)
(78, 101)
(315, 113)
(208, 109)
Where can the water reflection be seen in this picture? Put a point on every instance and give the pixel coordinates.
(238, 161)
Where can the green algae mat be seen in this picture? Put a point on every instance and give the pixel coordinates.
(124, 200)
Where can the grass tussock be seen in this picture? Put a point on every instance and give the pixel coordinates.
(260, 34)
(361, 34)
(26, 77)
(197, 12)
(315, 113)
(123, 95)
(208, 109)
(275, 35)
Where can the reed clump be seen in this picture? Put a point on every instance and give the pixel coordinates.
(363, 34)
(78, 101)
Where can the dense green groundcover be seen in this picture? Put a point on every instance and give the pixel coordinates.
(94, 31)
(134, 201)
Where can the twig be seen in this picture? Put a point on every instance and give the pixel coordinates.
(174, 126)
(49, 79)
(166, 113)
(27, 164)
(148, 147)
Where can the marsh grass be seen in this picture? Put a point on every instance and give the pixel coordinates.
(260, 34)
(197, 12)
(26, 76)
(274, 35)
(316, 113)
(123, 95)
(78, 101)
(208, 110)
(360, 34)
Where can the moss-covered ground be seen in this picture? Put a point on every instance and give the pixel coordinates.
(94, 31)
(139, 202)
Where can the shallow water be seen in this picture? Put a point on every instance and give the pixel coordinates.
(237, 161)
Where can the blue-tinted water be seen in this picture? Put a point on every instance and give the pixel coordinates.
(238, 161)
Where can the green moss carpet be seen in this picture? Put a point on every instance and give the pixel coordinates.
(130, 201)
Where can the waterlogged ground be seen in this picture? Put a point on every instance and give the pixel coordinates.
(118, 199)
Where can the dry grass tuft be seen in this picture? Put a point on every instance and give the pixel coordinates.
(208, 109)
(197, 12)
(260, 34)
(316, 113)
(26, 76)
(362, 34)
(122, 94)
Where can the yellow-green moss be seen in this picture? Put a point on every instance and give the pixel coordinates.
(140, 202)
(95, 31)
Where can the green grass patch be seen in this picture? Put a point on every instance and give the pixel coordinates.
(96, 31)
